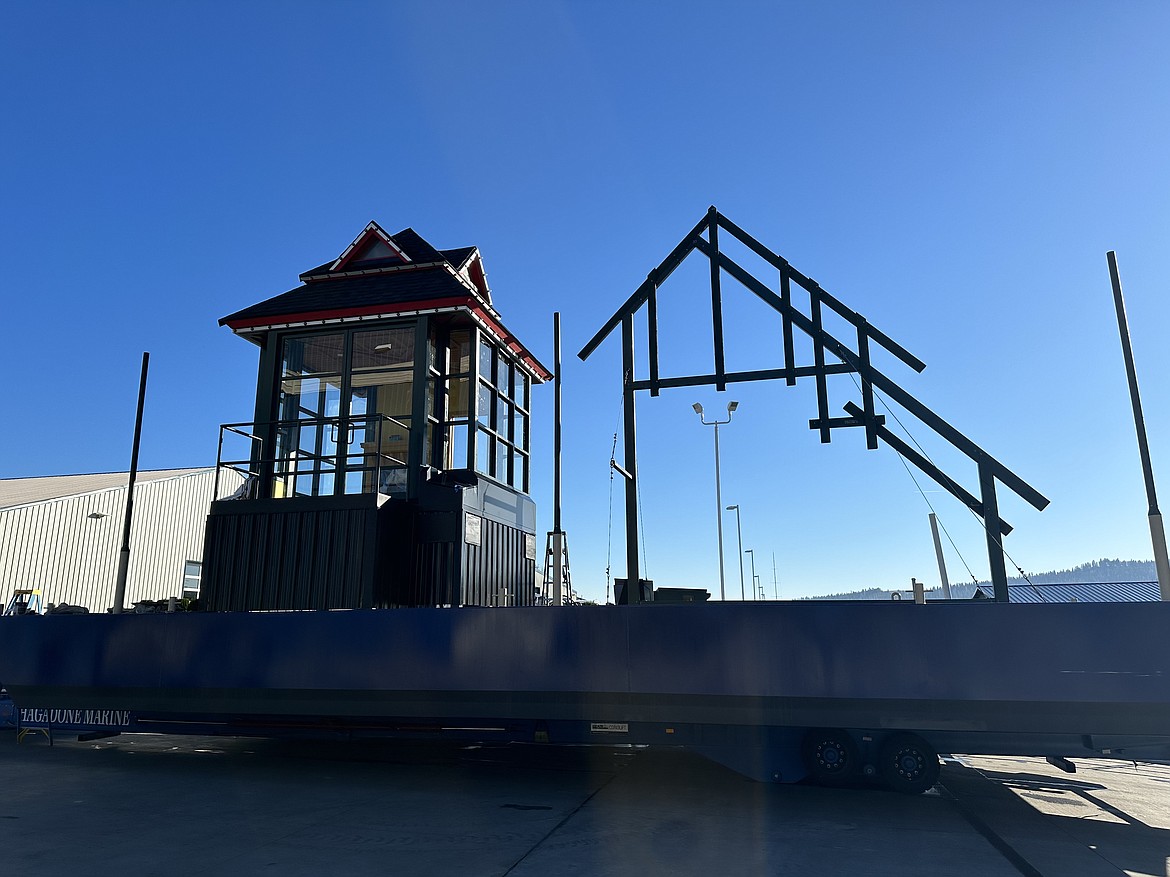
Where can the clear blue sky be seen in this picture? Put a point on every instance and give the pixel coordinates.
(954, 172)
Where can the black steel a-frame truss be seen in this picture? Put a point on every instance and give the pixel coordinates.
(852, 361)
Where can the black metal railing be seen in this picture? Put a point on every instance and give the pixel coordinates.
(320, 456)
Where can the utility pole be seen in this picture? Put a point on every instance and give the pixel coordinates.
(1157, 531)
(124, 554)
(556, 552)
(938, 553)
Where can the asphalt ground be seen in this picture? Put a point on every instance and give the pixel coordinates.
(155, 805)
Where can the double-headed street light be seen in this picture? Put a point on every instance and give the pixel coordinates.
(731, 406)
(752, 552)
(739, 530)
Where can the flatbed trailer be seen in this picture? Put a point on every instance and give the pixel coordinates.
(776, 690)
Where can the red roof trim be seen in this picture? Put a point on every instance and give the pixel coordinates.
(342, 313)
(371, 230)
(512, 342)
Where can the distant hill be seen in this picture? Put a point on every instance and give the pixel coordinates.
(1103, 570)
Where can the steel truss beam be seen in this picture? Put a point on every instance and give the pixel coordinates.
(852, 361)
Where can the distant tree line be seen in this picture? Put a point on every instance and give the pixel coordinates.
(1104, 570)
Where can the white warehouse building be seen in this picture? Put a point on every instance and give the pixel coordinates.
(61, 535)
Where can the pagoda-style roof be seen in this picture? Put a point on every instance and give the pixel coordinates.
(380, 275)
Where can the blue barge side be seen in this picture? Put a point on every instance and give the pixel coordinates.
(1070, 680)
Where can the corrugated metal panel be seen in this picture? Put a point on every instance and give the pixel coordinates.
(496, 572)
(68, 547)
(290, 558)
(435, 581)
(1084, 592)
(24, 491)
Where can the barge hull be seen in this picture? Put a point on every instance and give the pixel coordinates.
(1068, 679)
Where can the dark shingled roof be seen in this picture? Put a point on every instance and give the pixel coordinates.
(457, 257)
(429, 278)
(409, 241)
(325, 293)
(394, 287)
(320, 269)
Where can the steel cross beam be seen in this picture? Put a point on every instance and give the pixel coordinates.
(851, 362)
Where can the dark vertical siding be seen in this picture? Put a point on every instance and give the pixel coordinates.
(348, 553)
(498, 565)
(294, 559)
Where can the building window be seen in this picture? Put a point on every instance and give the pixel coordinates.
(450, 406)
(344, 412)
(192, 570)
(502, 427)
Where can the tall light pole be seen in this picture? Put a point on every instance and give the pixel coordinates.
(739, 531)
(731, 406)
(752, 552)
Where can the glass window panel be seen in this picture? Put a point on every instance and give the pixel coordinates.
(506, 379)
(313, 355)
(192, 571)
(355, 482)
(357, 402)
(286, 441)
(395, 442)
(457, 398)
(300, 398)
(361, 434)
(519, 429)
(460, 345)
(329, 438)
(389, 393)
(457, 447)
(332, 397)
(501, 471)
(307, 438)
(522, 472)
(485, 363)
(522, 392)
(393, 481)
(381, 348)
(483, 459)
(484, 406)
(502, 416)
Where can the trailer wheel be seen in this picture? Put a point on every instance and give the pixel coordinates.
(829, 755)
(908, 764)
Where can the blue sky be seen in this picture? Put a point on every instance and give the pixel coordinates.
(954, 172)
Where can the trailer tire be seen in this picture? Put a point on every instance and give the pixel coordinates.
(829, 755)
(908, 764)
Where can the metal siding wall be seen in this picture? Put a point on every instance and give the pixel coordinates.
(291, 560)
(498, 562)
(72, 558)
(433, 580)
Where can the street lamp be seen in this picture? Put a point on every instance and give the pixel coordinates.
(752, 552)
(731, 406)
(739, 530)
